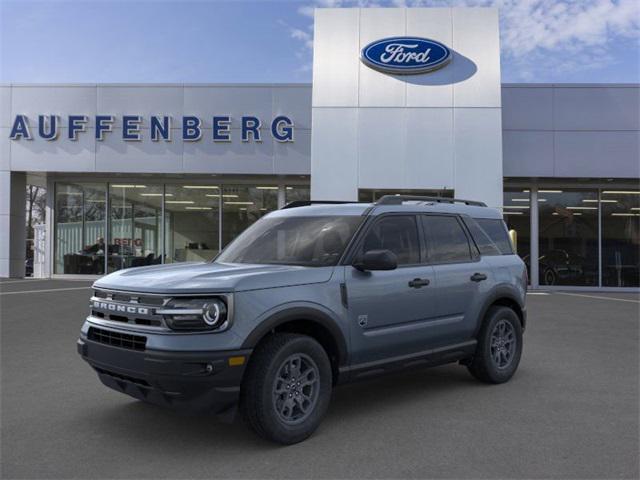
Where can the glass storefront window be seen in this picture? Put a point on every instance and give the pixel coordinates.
(369, 195)
(517, 215)
(295, 193)
(134, 225)
(192, 229)
(199, 220)
(242, 205)
(620, 238)
(568, 237)
(79, 228)
(95, 209)
(68, 217)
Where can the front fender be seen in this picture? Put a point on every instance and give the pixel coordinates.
(300, 311)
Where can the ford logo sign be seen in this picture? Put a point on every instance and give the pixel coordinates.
(405, 55)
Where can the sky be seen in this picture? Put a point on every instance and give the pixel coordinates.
(211, 41)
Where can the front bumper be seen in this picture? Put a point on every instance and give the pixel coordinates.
(193, 381)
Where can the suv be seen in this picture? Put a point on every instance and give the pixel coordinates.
(311, 296)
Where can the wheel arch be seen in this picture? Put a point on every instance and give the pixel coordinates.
(307, 321)
(505, 297)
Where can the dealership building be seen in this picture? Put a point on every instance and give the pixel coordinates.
(142, 174)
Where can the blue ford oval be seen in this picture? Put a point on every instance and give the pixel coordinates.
(405, 55)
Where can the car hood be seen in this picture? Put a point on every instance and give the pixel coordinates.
(211, 277)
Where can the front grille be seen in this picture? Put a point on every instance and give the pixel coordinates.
(130, 297)
(128, 308)
(120, 318)
(117, 339)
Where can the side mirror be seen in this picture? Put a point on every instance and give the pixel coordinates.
(376, 260)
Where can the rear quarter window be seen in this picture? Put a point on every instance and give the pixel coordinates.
(496, 230)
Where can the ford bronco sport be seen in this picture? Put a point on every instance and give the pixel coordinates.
(310, 296)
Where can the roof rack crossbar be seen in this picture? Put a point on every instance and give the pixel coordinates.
(398, 199)
(306, 203)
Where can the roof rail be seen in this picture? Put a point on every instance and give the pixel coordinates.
(398, 199)
(306, 203)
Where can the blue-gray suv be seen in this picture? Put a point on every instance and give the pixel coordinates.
(311, 296)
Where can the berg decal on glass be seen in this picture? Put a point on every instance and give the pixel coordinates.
(405, 55)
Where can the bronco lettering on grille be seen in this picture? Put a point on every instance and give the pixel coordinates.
(116, 307)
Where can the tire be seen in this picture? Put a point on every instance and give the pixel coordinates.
(550, 277)
(497, 364)
(275, 409)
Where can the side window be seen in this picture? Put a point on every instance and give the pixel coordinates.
(497, 231)
(446, 240)
(484, 243)
(398, 234)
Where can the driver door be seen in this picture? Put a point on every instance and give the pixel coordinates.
(389, 313)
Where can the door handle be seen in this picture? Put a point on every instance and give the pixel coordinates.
(418, 282)
(478, 277)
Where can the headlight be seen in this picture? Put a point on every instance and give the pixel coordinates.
(196, 314)
(214, 313)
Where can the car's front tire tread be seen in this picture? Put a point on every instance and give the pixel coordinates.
(255, 404)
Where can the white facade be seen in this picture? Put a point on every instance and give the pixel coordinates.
(437, 130)
(548, 131)
(113, 154)
(568, 131)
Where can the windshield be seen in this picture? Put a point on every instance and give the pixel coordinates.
(306, 241)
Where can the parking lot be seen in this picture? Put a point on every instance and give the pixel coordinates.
(571, 411)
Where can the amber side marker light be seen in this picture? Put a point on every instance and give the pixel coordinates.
(236, 361)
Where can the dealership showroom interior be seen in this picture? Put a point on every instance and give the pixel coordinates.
(140, 138)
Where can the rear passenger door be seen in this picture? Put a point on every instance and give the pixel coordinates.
(461, 276)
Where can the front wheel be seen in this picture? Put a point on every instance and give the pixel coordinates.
(287, 388)
(499, 346)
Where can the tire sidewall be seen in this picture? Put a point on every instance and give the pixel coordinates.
(273, 424)
(503, 313)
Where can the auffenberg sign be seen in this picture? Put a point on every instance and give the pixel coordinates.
(49, 127)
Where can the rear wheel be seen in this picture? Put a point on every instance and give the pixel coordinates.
(287, 388)
(499, 346)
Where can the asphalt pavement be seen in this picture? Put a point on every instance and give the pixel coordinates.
(571, 411)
